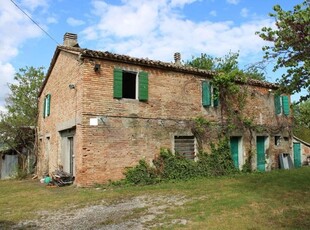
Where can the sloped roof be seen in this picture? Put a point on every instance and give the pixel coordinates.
(301, 141)
(105, 55)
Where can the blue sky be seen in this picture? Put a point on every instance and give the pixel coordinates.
(153, 29)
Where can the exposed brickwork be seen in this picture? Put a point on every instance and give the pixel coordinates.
(130, 130)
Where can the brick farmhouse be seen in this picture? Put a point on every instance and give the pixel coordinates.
(101, 113)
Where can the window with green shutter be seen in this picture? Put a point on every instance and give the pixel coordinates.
(131, 85)
(277, 104)
(118, 83)
(215, 96)
(206, 94)
(143, 86)
(285, 105)
(282, 105)
(210, 95)
(47, 106)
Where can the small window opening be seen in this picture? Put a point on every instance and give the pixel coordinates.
(129, 85)
(185, 146)
(277, 140)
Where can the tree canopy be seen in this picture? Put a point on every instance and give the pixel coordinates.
(302, 120)
(17, 124)
(226, 64)
(290, 46)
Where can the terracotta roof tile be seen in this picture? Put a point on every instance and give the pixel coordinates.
(141, 61)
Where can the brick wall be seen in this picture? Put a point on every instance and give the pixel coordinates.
(65, 110)
(130, 130)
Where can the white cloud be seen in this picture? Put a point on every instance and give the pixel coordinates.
(15, 29)
(213, 13)
(75, 22)
(155, 30)
(234, 2)
(51, 20)
(181, 3)
(7, 74)
(34, 4)
(244, 12)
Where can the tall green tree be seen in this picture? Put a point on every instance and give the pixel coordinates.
(17, 124)
(290, 46)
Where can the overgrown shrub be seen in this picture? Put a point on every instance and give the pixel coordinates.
(21, 174)
(169, 166)
(141, 174)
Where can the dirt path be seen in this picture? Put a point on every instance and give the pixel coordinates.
(136, 213)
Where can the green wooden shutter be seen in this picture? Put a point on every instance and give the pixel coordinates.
(44, 108)
(297, 158)
(48, 104)
(277, 104)
(143, 86)
(260, 150)
(118, 83)
(215, 96)
(285, 105)
(206, 94)
(234, 149)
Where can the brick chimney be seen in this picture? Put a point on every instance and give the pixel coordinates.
(70, 40)
(177, 59)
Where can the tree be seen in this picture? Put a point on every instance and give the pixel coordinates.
(302, 120)
(17, 125)
(226, 64)
(291, 46)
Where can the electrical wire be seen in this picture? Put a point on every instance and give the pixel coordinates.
(35, 22)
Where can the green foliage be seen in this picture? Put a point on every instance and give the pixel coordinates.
(203, 62)
(141, 174)
(171, 167)
(220, 161)
(302, 120)
(290, 46)
(247, 167)
(21, 174)
(17, 125)
(168, 166)
(226, 65)
(200, 124)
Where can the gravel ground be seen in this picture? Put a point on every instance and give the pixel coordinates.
(136, 213)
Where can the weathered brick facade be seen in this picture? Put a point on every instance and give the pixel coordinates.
(104, 135)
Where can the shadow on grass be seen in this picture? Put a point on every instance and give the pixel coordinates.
(4, 224)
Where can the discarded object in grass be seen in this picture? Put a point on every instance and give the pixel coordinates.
(61, 178)
(286, 161)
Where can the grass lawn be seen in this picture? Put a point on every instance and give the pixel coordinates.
(272, 200)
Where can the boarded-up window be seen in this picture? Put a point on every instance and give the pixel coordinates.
(185, 146)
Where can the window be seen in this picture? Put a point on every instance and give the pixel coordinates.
(132, 85)
(185, 146)
(277, 140)
(282, 105)
(47, 106)
(210, 95)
